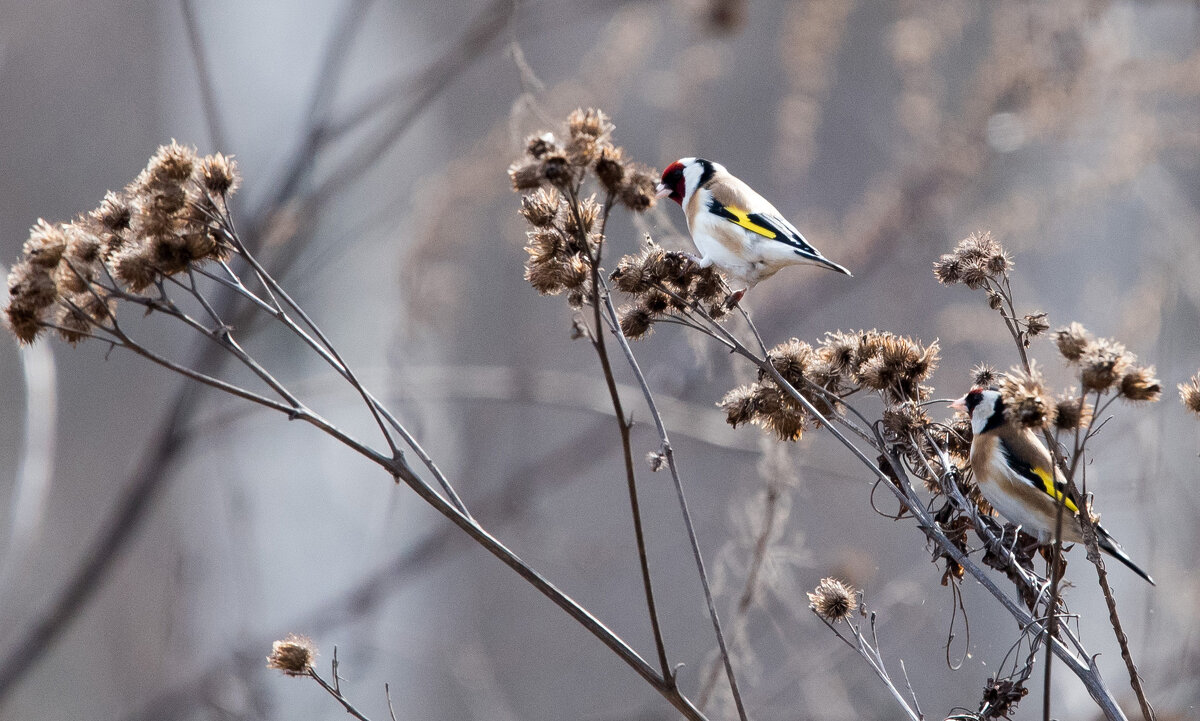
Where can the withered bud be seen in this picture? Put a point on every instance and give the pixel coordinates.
(610, 169)
(526, 176)
(541, 207)
(539, 146)
(31, 286)
(998, 262)
(1071, 411)
(586, 216)
(948, 269)
(24, 322)
(46, 244)
(636, 321)
(904, 419)
(114, 211)
(656, 461)
(72, 321)
(637, 190)
(134, 267)
(1071, 341)
(294, 655)
(590, 123)
(1025, 396)
(984, 376)
(1138, 385)
(995, 300)
(219, 174)
(631, 275)
(974, 275)
(833, 600)
(709, 286)
(1102, 364)
(545, 244)
(1189, 394)
(1035, 324)
(838, 350)
(556, 169)
(978, 247)
(83, 247)
(792, 359)
(742, 405)
(171, 164)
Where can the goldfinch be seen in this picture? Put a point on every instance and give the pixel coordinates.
(1013, 470)
(735, 228)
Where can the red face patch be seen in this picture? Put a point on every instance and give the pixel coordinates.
(673, 179)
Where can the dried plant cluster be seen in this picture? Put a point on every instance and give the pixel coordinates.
(295, 655)
(567, 234)
(170, 218)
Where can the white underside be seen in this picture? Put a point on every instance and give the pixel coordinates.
(1011, 508)
(756, 258)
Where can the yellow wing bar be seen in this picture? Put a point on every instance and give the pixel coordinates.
(1048, 487)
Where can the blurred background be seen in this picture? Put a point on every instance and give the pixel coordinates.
(156, 537)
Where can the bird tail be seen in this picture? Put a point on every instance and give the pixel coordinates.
(1110, 546)
(824, 262)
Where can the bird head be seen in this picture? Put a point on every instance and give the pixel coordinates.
(984, 406)
(682, 177)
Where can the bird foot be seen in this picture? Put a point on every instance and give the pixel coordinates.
(734, 298)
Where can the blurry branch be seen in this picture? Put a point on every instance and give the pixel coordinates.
(208, 95)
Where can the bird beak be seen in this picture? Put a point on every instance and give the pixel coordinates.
(661, 191)
(960, 404)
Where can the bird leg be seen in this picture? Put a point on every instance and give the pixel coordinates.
(734, 298)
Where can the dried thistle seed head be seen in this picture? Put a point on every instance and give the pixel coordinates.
(786, 420)
(72, 321)
(582, 150)
(995, 300)
(610, 169)
(974, 275)
(1071, 411)
(709, 287)
(1189, 394)
(46, 244)
(984, 376)
(526, 176)
(656, 460)
(134, 267)
(833, 600)
(904, 419)
(547, 277)
(1102, 364)
(31, 286)
(584, 218)
(1139, 385)
(741, 405)
(539, 146)
(114, 211)
(545, 244)
(590, 123)
(636, 321)
(83, 246)
(540, 208)
(978, 247)
(169, 253)
(23, 322)
(637, 190)
(998, 262)
(171, 164)
(1072, 341)
(556, 170)
(1025, 396)
(630, 276)
(656, 301)
(219, 175)
(838, 350)
(1035, 324)
(948, 269)
(792, 359)
(294, 655)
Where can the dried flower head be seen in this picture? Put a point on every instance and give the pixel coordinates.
(294, 655)
(1028, 401)
(526, 175)
(1071, 411)
(656, 460)
(905, 419)
(590, 123)
(1139, 385)
(539, 146)
(838, 351)
(170, 165)
(1102, 364)
(637, 189)
(580, 221)
(792, 359)
(219, 174)
(984, 376)
(1035, 324)
(114, 211)
(948, 269)
(610, 169)
(46, 244)
(833, 600)
(636, 321)
(1189, 394)
(1071, 341)
(540, 208)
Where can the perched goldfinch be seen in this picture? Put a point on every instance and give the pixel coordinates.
(1013, 470)
(735, 228)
